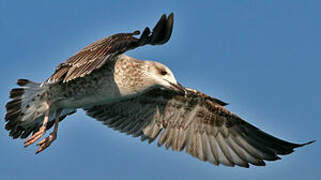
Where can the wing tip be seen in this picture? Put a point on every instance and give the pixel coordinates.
(307, 143)
(162, 31)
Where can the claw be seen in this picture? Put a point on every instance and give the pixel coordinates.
(46, 142)
(35, 137)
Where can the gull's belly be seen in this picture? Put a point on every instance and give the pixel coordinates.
(94, 89)
(89, 99)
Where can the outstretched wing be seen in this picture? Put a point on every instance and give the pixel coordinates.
(195, 122)
(98, 53)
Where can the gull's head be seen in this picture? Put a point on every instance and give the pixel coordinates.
(158, 74)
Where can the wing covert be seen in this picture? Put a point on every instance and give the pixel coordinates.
(100, 52)
(196, 123)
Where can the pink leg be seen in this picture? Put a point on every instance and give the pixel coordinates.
(40, 132)
(52, 137)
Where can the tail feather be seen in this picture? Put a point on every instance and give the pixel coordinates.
(25, 111)
(16, 92)
(17, 108)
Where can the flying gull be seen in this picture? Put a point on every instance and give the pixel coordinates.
(139, 98)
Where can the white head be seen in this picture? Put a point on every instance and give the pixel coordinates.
(157, 74)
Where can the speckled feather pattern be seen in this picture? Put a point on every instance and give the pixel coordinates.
(143, 99)
(119, 78)
(195, 122)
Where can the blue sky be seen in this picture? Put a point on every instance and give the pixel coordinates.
(263, 58)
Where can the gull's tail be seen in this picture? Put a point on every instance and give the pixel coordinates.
(26, 108)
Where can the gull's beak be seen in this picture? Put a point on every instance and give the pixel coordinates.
(178, 88)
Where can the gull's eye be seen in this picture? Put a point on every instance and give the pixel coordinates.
(163, 72)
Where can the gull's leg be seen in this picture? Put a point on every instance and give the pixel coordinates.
(48, 140)
(40, 132)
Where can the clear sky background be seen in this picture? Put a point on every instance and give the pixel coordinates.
(262, 57)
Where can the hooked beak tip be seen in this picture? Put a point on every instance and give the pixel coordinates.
(178, 88)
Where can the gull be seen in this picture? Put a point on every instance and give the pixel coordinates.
(140, 98)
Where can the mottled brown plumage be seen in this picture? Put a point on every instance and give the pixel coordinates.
(194, 122)
(141, 98)
(95, 55)
(103, 53)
